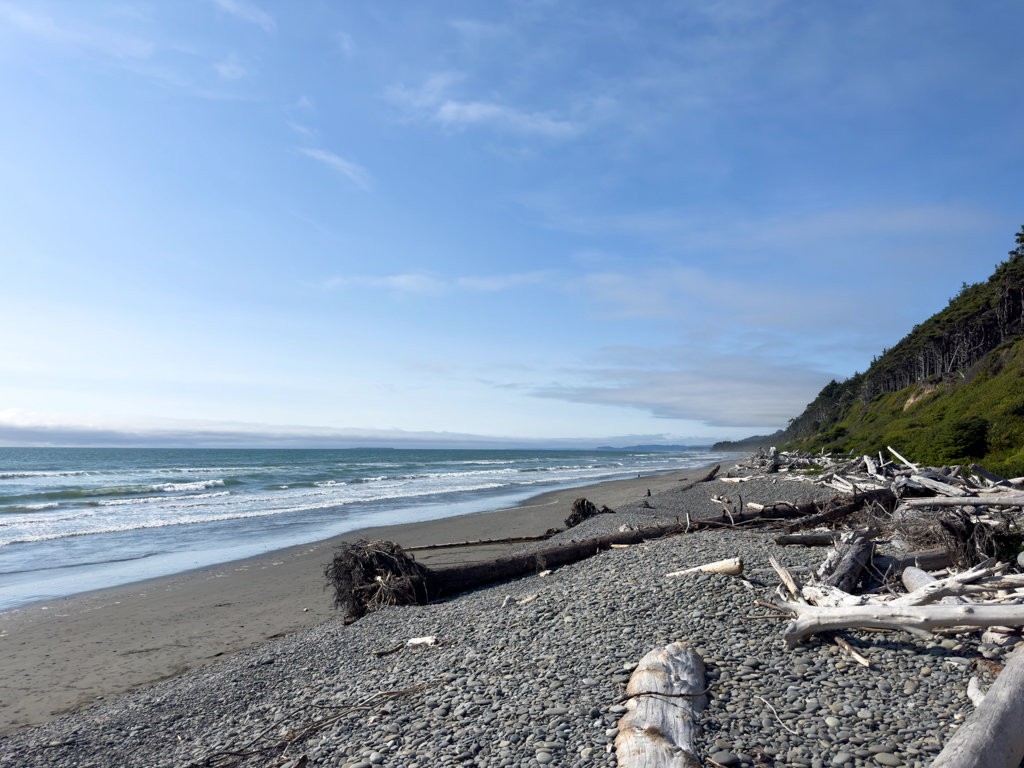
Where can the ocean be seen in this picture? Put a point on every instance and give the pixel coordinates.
(78, 519)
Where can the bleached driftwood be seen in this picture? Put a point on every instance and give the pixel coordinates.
(934, 485)
(912, 466)
(1008, 500)
(923, 588)
(661, 720)
(992, 736)
(831, 597)
(918, 620)
(733, 566)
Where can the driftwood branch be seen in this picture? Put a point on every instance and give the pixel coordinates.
(914, 619)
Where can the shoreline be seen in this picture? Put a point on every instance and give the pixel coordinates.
(67, 654)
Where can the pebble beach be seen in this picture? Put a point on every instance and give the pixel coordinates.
(538, 680)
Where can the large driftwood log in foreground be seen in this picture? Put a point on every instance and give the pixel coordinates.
(992, 736)
(661, 720)
(920, 621)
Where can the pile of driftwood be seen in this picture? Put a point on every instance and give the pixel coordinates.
(951, 588)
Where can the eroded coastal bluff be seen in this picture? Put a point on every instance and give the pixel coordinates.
(533, 671)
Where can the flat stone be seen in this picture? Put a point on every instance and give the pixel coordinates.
(725, 758)
(888, 758)
(544, 758)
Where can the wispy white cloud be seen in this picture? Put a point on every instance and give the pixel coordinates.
(354, 172)
(345, 43)
(302, 129)
(22, 428)
(721, 392)
(410, 284)
(231, 70)
(78, 34)
(249, 13)
(501, 282)
(429, 285)
(477, 31)
(459, 114)
(432, 101)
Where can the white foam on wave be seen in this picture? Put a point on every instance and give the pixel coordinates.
(158, 499)
(29, 475)
(326, 484)
(202, 485)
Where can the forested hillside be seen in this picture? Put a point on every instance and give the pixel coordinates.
(951, 391)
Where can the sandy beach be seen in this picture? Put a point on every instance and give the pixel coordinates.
(64, 655)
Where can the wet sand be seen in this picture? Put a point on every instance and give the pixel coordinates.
(63, 655)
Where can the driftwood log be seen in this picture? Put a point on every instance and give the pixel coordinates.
(934, 559)
(1008, 500)
(811, 619)
(480, 543)
(381, 573)
(709, 476)
(992, 736)
(859, 500)
(826, 539)
(853, 555)
(661, 722)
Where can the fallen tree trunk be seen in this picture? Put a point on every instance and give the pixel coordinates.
(882, 496)
(661, 722)
(992, 737)
(381, 573)
(826, 539)
(920, 621)
(451, 579)
(480, 543)
(709, 476)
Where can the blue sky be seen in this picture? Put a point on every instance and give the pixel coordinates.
(524, 220)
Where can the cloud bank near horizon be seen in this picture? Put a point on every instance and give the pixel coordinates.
(19, 430)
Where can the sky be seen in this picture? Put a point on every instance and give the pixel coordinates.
(529, 222)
